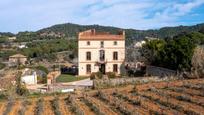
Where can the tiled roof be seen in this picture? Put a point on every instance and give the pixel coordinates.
(93, 35)
(18, 56)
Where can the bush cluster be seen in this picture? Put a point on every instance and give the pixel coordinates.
(8, 106)
(74, 107)
(55, 106)
(111, 75)
(24, 107)
(39, 107)
(173, 53)
(99, 75)
(96, 75)
(93, 107)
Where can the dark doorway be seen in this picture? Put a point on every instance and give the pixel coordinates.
(102, 68)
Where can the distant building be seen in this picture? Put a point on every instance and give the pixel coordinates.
(100, 51)
(12, 38)
(29, 77)
(17, 59)
(22, 46)
(139, 44)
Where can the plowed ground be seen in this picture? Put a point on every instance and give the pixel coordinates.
(176, 97)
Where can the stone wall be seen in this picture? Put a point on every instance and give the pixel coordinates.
(105, 83)
(159, 71)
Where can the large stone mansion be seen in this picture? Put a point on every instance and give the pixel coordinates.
(100, 51)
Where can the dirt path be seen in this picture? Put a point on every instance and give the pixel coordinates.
(193, 99)
(103, 107)
(63, 108)
(31, 108)
(188, 91)
(186, 106)
(47, 110)
(84, 108)
(151, 105)
(16, 108)
(124, 105)
(2, 107)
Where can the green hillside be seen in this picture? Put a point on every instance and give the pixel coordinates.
(71, 30)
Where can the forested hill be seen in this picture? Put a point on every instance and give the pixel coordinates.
(71, 30)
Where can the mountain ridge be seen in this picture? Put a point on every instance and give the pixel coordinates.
(69, 30)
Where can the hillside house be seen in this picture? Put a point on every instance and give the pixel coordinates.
(12, 38)
(17, 59)
(29, 77)
(100, 51)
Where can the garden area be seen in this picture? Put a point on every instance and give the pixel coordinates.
(2, 66)
(69, 78)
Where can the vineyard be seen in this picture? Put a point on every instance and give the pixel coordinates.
(171, 98)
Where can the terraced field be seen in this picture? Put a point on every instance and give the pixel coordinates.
(170, 98)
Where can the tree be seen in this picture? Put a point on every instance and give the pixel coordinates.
(20, 88)
(198, 61)
(173, 53)
(151, 50)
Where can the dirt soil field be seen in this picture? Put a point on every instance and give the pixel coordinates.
(175, 97)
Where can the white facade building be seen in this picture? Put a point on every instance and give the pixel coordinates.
(102, 52)
(29, 77)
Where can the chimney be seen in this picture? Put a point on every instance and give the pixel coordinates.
(93, 31)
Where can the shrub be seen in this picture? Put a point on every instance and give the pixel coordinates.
(2, 66)
(42, 68)
(96, 75)
(24, 107)
(101, 95)
(55, 106)
(126, 98)
(2, 96)
(93, 76)
(21, 89)
(111, 75)
(9, 106)
(74, 107)
(39, 107)
(99, 75)
(93, 107)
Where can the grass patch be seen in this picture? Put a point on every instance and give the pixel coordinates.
(69, 78)
(2, 66)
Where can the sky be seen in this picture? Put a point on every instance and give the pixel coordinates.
(32, 15)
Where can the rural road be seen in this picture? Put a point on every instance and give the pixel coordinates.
(85, 82)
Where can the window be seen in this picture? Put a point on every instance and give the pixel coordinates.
(102, 55)
(88, 43)
(115, 55)
(115, 68)
(115, 43)
(88, 68)
(88, 55)
(102, 44)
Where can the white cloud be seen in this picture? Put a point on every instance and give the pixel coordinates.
(140, 14)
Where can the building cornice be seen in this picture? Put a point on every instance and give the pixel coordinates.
(105, 48)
